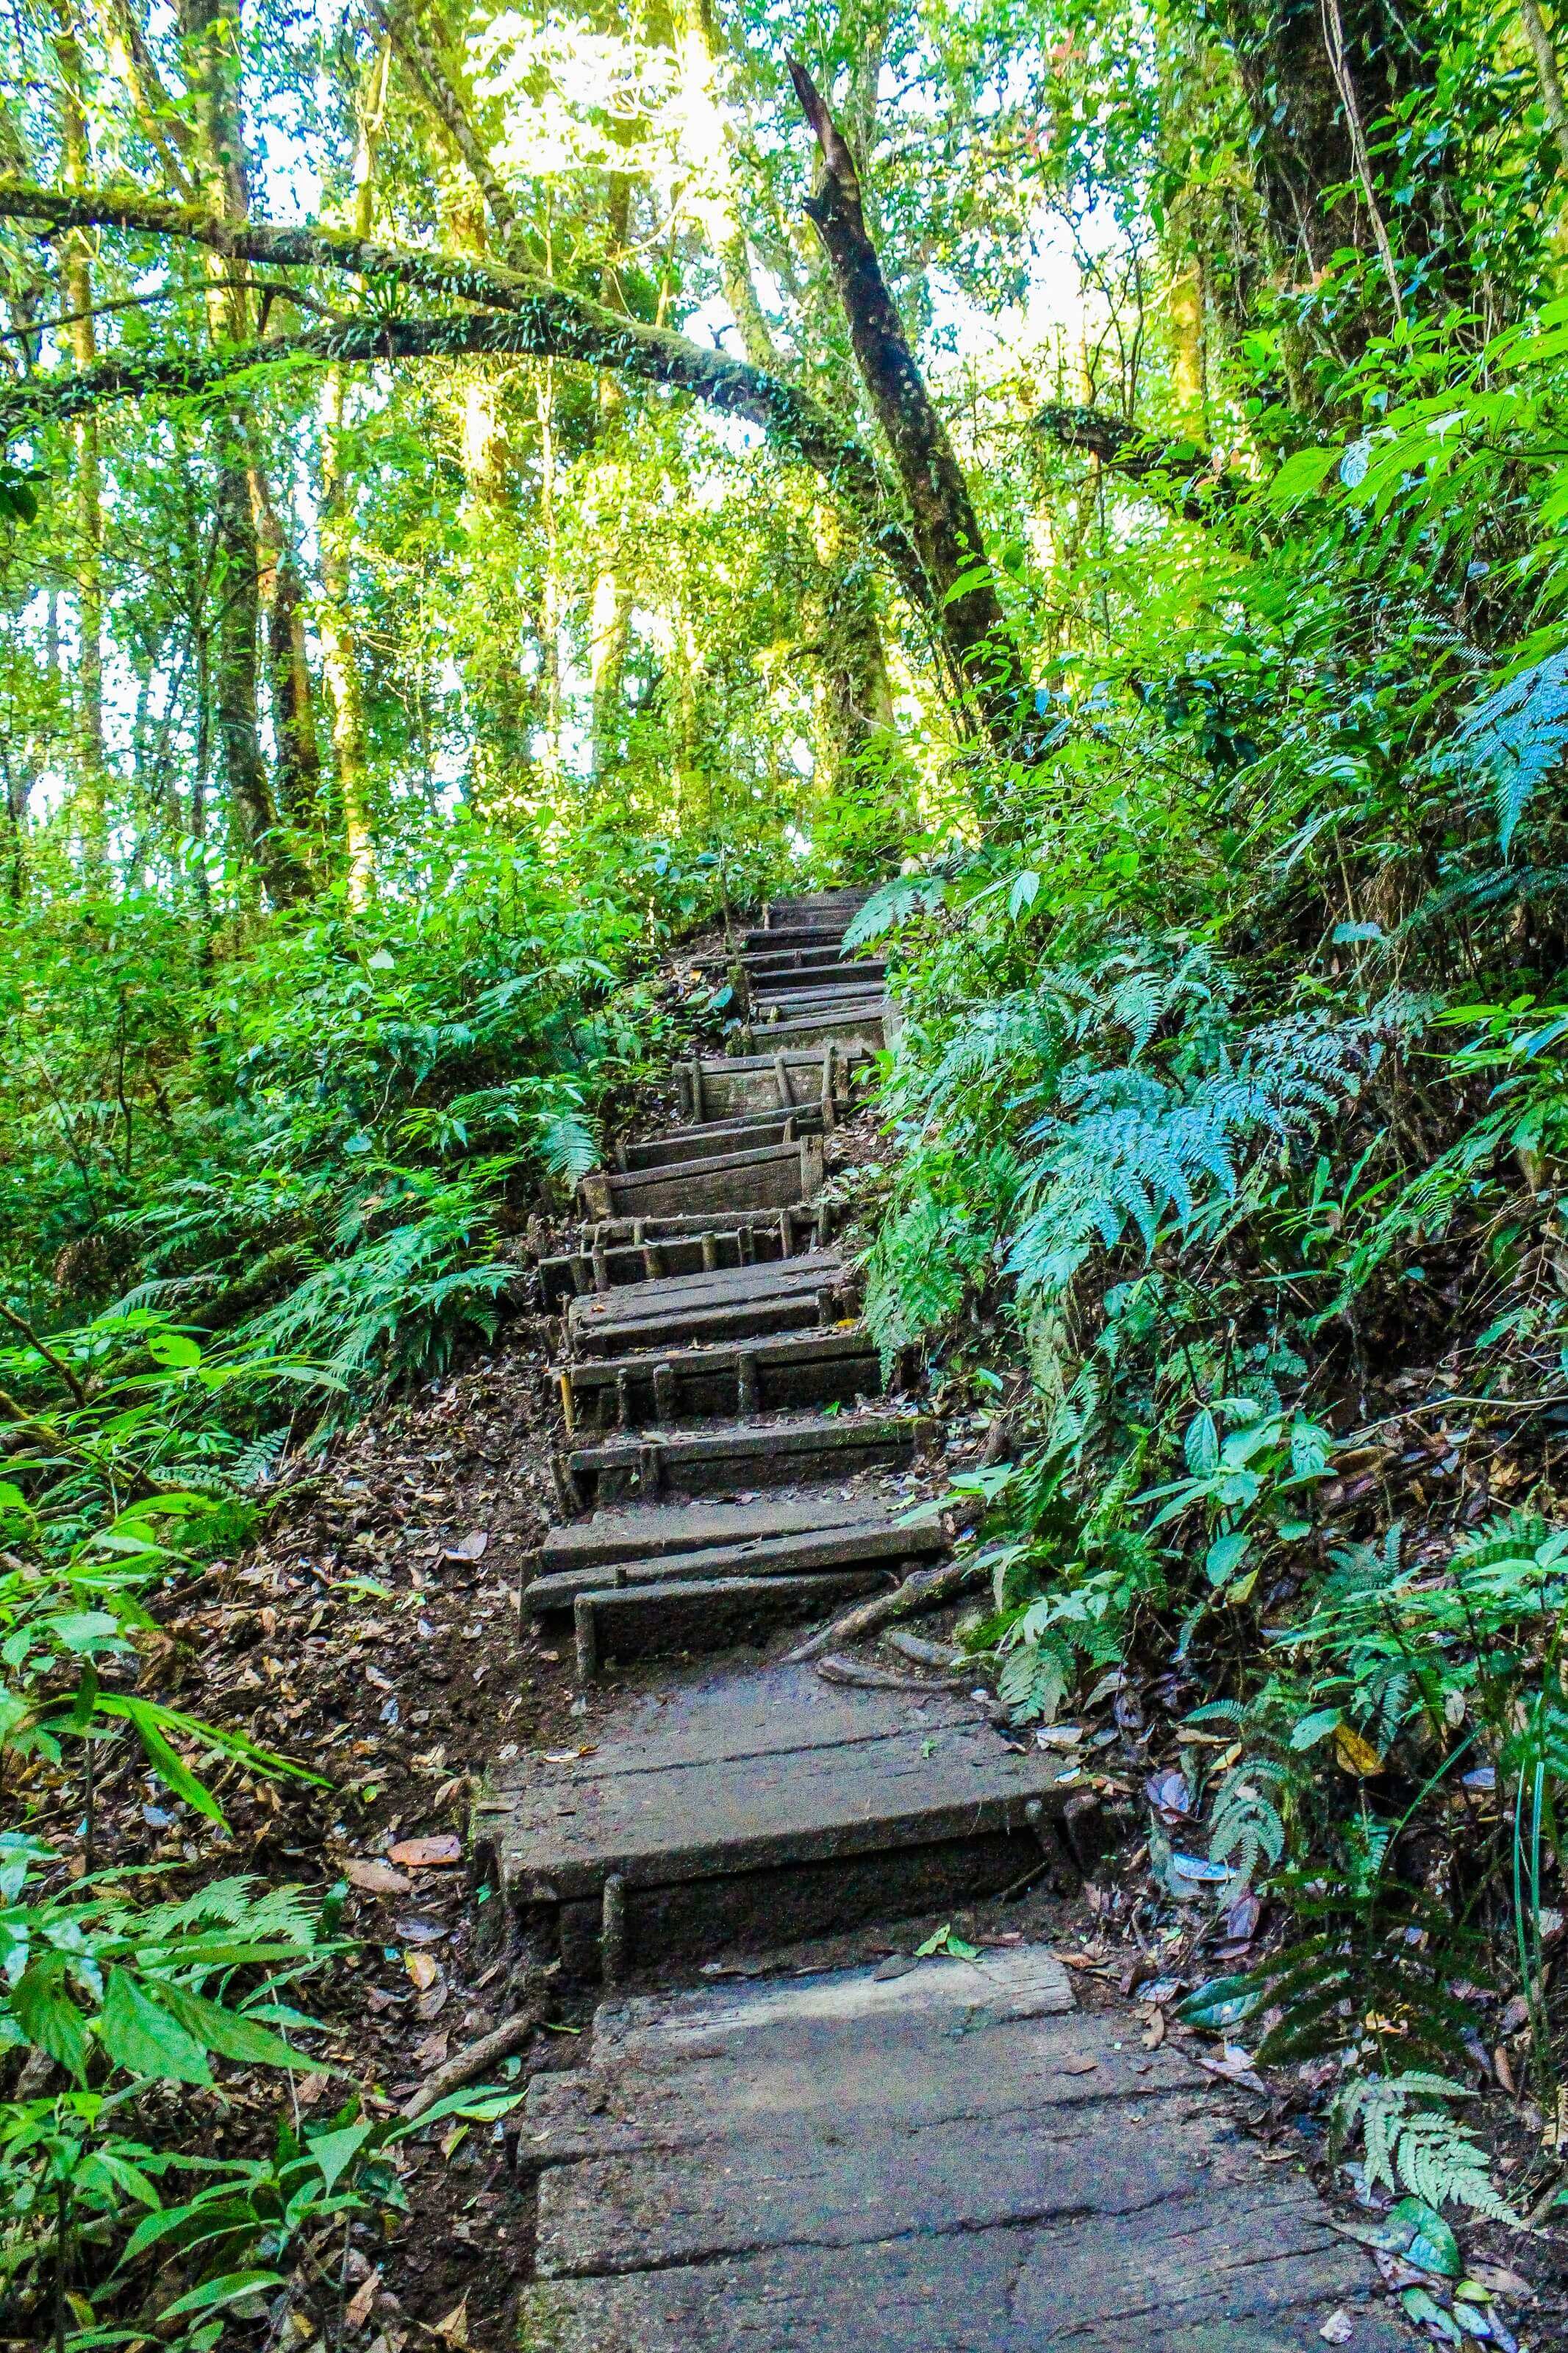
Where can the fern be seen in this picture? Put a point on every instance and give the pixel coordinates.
(894, 904)
(569, 1144)
(1517, 737)
(1409, 2139)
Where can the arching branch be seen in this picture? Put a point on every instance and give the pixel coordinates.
(1188, 477)
(541, 319)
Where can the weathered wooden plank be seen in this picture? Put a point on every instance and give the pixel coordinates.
(951, 2162)
(656, 1532)
(749, 1454)
(757, 1774)
(882, 1542)
(773, 1177)
(858, 1032)
(761, 1081)
(717, 1138)
(703, 1287)
(650, 1387)
(678, 1615)
(625, 1251)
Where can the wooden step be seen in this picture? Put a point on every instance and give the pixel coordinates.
(795, 1004)
(783, 1294)
(759, 1808)
(801, 968)
(615, 1625)
(859, 1031)
(876, 1541)
(648, 1248)
(773, 1177)
(819, 910)
(651, 1388)
(792, 935)
(663, 1531)
(795, 1074)
(753, 1133)
(746, 1454)
(835, 2160)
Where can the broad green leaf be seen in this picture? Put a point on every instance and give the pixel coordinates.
(144, 2038)
(335, 2151)
(234, 2036)
(213, 2295)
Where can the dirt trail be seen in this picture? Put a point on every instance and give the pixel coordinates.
(787, 2125)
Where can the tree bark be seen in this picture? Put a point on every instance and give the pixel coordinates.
(943, 523)
(340, 641)
(211, 31)
(1544, 52)
(298, 757)
(76, 285)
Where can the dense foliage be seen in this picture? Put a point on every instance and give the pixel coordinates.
(464, 524)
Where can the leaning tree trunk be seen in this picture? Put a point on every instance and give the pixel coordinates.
(943, 525)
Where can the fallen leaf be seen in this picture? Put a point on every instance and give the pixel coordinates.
(568, 1755)
(1083, 2065)
(1355, 1755)
(420, 1932)
(469, 1548)
(432, 2002)
(1501, 2281)
(377, 1878)
(1504, 2072)
(1338, 2329)
(422, 1969)
(1154, 2033)
(383, 1682)
(357, 2310)
(428, 1854)
(455, 2328)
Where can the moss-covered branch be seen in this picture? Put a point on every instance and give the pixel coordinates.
(540, 318)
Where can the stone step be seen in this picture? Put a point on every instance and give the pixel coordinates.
(652, 1387)
(617, 1625)
(877, 1542)
(774, 1176)
(795, 1074)
(648, 1250)
(756, 1809)
(752, 1133)
(953, 2160)
(744, 1455)
(780, 1295)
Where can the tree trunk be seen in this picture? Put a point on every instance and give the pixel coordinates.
(339, 644)
(531, 316)
(340, 652)
(213, 50)
(76, 284)
(943, 525)
(1546, 69)
(299, 758)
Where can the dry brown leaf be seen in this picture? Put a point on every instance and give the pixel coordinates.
(1154, 2034)
(428, 1854)
(455, 2328)
(422, 1969)
(377, 1878)
(1084, 2065)
(357, 2310)
(1355, 1755)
